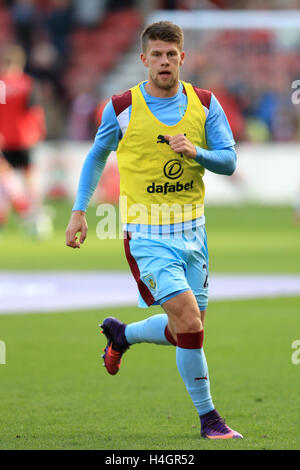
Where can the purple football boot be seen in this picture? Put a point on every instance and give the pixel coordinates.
(214, 427)
(114, 331)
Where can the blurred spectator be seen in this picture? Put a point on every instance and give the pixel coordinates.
(55, 110)
(25, 19)
(45, 65)
(120, 4)
(229, 103)
(88, 12)
(44, 61)
(82, 112)
(275, 109)
(59, 22)
(21, 127)
(21, 119)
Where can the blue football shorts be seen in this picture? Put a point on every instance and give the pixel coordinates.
(164, 266)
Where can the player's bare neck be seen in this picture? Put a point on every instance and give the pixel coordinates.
(154, 90)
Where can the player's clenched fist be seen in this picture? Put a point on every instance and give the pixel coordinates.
(77, 224)
(180, 144)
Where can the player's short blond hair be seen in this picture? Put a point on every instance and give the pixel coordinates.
(163, 31)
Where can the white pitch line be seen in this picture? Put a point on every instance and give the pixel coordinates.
(39, 292)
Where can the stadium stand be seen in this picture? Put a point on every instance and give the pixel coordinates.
(76, 47)
(67, 51)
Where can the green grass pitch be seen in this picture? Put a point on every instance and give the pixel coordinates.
(55, 394)
(240, 239)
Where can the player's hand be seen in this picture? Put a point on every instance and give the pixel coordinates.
(77, 224)
(180, 144)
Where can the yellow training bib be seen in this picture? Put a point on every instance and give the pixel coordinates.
(157, 185)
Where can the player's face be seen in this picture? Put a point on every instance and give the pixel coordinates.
(163, 59)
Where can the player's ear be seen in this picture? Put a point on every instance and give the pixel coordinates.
(144, 59)
(182, 56)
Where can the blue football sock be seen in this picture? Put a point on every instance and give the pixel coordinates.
(151, 330)
(192, 366)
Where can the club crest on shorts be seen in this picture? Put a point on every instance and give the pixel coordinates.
(150, 281)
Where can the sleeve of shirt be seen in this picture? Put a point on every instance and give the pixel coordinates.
(221, 156)
(222, 162)
(109, 132)
(217, 129)
(106, 140)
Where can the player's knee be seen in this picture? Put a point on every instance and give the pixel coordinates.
(189, 322)
(193, 324)
(184, 313)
